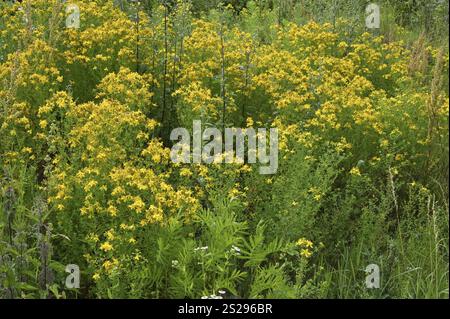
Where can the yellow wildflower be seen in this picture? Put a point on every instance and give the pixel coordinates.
(106, 246)
(355, 171)
(305, 253)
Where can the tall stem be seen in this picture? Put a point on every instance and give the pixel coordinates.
(222, 85)
(137, 39)
(165, 66)
(244, 104)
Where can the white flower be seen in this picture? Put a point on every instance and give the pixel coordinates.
(201, 248)
(235, 249)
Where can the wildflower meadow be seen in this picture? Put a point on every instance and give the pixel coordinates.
(188, 149)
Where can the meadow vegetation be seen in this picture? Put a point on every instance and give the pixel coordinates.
(86, 176)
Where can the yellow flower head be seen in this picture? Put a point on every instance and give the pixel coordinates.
(305, 253)
(355, 171)
(303, 242)
(106, 246)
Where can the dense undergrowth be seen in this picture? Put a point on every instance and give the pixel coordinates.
(85, 118)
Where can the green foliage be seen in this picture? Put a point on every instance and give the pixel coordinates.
(85, 117)
(214, 254)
